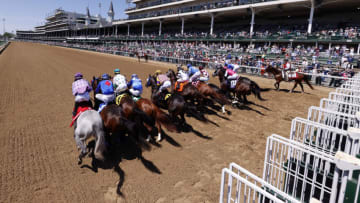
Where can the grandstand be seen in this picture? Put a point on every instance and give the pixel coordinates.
(318, 31)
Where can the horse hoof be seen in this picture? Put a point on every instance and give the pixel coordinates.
(79, 161)
(148, 138)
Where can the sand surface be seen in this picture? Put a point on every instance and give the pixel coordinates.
(39, 157)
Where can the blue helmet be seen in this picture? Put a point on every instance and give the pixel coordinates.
(78, 76)
(226, 64)
(134, 76)
(117, 71)
(188, 65)
(105, 76)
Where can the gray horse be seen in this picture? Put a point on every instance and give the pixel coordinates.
(90, 124)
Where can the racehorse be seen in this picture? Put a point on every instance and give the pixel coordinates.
(189, 92)
(244, 86)
(174, 103)
(161, 118)
(116, 123)
(204, 89)
(278, 77)
(88, 124)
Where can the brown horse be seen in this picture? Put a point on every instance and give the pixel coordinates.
(161, 118)
(189, 92)
(278, 77)
(116, 123)
(204, 89)
(174, 103)
(244, 86)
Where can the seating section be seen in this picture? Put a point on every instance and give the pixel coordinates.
(319, 162)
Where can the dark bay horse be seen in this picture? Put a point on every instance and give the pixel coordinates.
(278, 77)
(115, 123)
(190, 92)
(174, 103)
(244, 86)
(160, 117)
(204, 89)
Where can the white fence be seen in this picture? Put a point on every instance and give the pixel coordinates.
(344, 98)
(339, 106)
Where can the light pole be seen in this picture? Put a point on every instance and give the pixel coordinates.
(3, 25)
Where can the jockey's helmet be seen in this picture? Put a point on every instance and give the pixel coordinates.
(105, 76)
(189, 65)
(134, 76)
(78, 76)
(226, 64)
(200, 67)
(158, 72)
(117, 71)
(179, 68)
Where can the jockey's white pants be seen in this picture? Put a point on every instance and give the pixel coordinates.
(233, 77)
(136, 93)
(106, 98)
(82, 97)
(121, 88)
(204, 79)
(236, 67)
(165, 85)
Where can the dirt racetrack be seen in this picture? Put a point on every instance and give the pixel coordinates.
(38, 161)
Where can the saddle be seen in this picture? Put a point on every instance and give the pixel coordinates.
(179, 86)
(80, 110)
(120, 97)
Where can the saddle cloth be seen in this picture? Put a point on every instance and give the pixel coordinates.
(79, 111)
(179, 86)
(292, 75)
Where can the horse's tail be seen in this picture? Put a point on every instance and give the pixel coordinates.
(192, 110)
(165, 120)
(307, 82)
(256, 90)
(144, 117)
(100, 146)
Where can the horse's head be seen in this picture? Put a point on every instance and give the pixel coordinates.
(94, 82)
(150, 81)
(219, 71)
(171, 74)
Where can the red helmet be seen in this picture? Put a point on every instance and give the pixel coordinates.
(200, 67)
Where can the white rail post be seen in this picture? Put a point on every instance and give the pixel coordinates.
(160, 25)
(311, 16)
(252, 21)
(212, 23)
(142, 29)
(128, 34)
(182, 25)
(358, 51)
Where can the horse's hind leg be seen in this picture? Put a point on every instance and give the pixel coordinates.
(302, 87)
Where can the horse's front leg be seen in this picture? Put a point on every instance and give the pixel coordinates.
(158, 125)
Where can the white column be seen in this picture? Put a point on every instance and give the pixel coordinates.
(182, 25)
(329, 46)
(311, 16)
(160, 27)
(116, 30)
(358, 52)
(212, 23)
(252, 21)
(128, 29)
(142, 29)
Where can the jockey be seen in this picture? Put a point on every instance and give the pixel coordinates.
(191, 70)
(119, 82)
(105, 90)
(80, 89)
(202, 75)
(286, 67)
(231, 76)
(162, 80)
(135, 86)
(182, 78)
